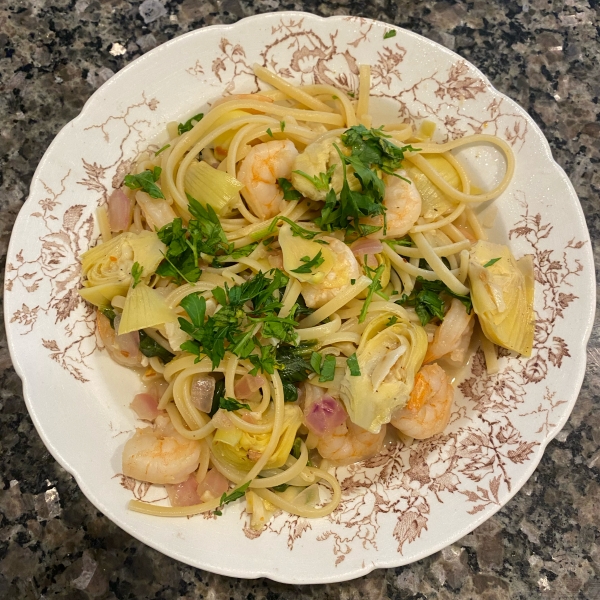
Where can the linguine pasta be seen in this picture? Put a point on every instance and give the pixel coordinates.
(294, 285)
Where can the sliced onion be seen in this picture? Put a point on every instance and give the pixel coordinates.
(203, 389)
(125, 349)
(145, 406)
(212, 486)
(366, 246)
(325, 415)
(119, 211)
(184, 494)
(247, 385)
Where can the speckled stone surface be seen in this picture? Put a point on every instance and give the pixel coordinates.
(545, 543)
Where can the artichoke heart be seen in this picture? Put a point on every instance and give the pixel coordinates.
(295, 249)
(502, 294)
(317, 158)
(111, 262)
(389, 358)
(434, 202)
(242, 449)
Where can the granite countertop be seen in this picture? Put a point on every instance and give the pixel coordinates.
(544, 544)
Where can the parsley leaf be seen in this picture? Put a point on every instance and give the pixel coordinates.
(392, 321)
(109, 313)
(281, 487)
(189, 125)
(282, 125)
(296, 448)
(310, 263)
(352, 362)
(489, 263)
(289, 193)
(136, 273)
(375, 286)
(218, 395)
(328, 368)
(270, 132)
(405, 241)
(232, 497)
(320, 181)
(162, 149)
(150, 348)
(297, 231)
(219, 261)
(390, 33)
(293, 367)
(145, 181)
(426, 300)
(230, 404)
(315, 362)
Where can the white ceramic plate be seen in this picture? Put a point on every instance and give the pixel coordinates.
(400, 506)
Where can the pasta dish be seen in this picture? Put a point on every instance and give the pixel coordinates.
(296, 287)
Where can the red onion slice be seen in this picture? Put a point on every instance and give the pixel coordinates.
(248, 385)
(212, 486)
(203, 389)
(119, 211)
(184, 494)
(145, 406)
(366, 246)
(325, 415)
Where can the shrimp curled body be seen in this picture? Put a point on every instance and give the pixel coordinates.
(345, 269)
(151, 456)
(259, 172)
(350, 443)
(428, 409)
(402, 201)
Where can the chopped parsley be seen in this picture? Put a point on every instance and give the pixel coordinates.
(136, 273)
(145, 181)
(310, 263)
(150, 348)
(269, 132)
(371, 154)
(390, 33)
(162, 149)
(320, 181)
(427, 301)
(405, 241)
(489, 263)
(282, 126)
(232, 497)
(297, 231)
(245, 310)
(230, 404)
(235, 255)
(203, 235)
(375, 286)
(323, 366)
(328, 368)
(189, 124)
(392, 321)
(293, 367)
(352, 362)
(289, 193)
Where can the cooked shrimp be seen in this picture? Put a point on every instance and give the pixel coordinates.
(403, 203)
(345, 269)
(452, 337)
(350, 443)
(152, 456)
(259, 172)
(428, 409)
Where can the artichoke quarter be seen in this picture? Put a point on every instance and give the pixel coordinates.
(502, 294)
(389, 357)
